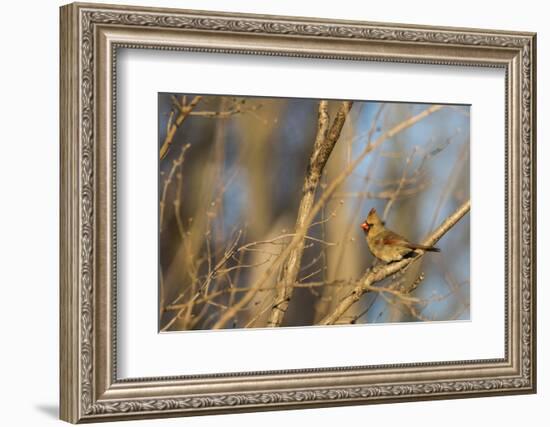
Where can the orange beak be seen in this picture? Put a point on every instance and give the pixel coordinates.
(365, 226)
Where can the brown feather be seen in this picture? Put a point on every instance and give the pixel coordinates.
(423, 247)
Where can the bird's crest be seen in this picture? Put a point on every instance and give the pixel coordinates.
(372, 219)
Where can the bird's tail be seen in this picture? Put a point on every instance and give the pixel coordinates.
(424, 248)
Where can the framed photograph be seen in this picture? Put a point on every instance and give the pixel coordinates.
(265, 212)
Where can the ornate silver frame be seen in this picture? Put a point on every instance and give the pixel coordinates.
(90, 35)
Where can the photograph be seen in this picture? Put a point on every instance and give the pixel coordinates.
(285, 212)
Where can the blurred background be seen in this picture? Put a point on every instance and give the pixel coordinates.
(230, 184)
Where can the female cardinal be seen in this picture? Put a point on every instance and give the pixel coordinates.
(385, 244)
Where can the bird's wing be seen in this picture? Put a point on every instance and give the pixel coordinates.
(391, 238)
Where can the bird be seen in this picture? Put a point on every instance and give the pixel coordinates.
(387, 245)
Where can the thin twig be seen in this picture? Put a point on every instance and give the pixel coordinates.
(184, 111)
(400, 185)
(175, 166)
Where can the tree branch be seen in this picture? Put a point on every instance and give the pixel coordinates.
(184, 111)
(322, 148)
(380, 272)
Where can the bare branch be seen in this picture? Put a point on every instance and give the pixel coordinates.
(380, 272)
(395, 194)
(175, 166)
(227, 113)
(184, 111)
(322, 148)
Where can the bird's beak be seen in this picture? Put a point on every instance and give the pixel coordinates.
(365, 226)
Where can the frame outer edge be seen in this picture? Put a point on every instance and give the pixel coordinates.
(533, 201)
(78, 341)
(68, 227)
